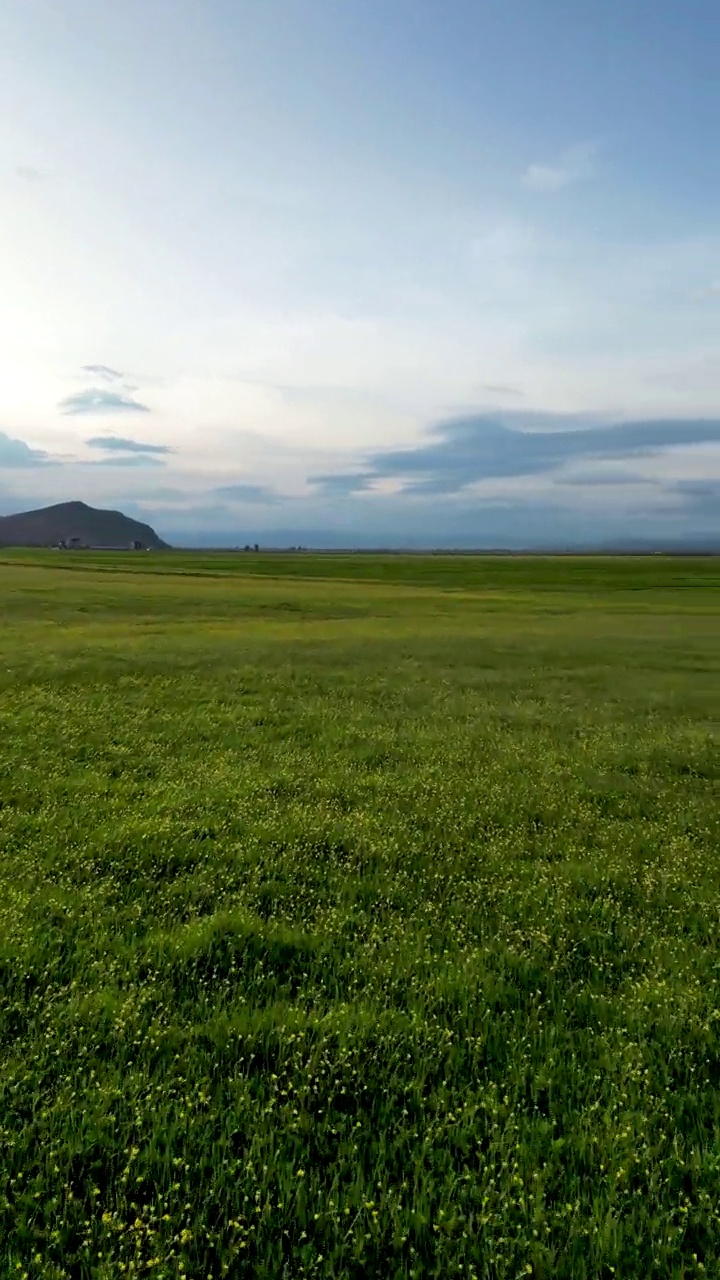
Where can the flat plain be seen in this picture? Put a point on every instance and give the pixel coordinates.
(359, 916)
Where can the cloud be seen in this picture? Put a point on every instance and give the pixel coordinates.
(701, 497)
(126, 460)
(159, 494)
(464, 451)
(497, 389)
(339, 486)
(573, 165)
(103, 371)
(601, 477)
(28, 173)
(253, 493)
(101, 400)
(16, 453)
(119, 444)
(163, 493)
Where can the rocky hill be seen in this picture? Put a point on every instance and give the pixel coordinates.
(75, 524)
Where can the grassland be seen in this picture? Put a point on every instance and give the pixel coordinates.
(359, 917)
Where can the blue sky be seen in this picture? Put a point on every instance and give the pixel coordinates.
(363, 269)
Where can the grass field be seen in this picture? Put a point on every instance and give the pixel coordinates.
(359, 917)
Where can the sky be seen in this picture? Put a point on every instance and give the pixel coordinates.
(385, 272)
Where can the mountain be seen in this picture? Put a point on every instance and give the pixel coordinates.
(75, 523)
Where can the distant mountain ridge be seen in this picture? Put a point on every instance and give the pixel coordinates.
(75, 523)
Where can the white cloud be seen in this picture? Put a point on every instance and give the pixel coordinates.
(574, 165)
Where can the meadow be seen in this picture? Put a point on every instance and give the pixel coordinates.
(359, 917)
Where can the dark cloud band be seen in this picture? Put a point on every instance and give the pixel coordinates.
(16, 453)
(463, 451)
(120, 444)
(101, 400)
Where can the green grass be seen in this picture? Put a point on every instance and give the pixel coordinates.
(359, 917)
